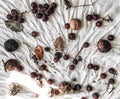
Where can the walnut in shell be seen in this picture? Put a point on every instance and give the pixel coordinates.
(65, 87)
(14, 88)
(11, 65)
(39, 52)
(59, 43)
(75, 24)
(104, 46)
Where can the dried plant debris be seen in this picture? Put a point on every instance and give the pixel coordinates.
(39, 83)
(14, 88)
(39, 53)
(12, 64)
(14, 26)
(65, 87)
(59, 43)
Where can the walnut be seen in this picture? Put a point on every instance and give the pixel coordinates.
(11, 65)
(75, 24)
(65, 87)
(14, 88)
(104, 46)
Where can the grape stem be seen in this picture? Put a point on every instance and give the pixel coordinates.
(107, 19)
(83, 5)
(77, 54)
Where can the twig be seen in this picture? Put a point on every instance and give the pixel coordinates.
(86, 4)
(69, 5)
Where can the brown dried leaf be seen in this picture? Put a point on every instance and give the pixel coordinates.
(59, 44)
(39, 52)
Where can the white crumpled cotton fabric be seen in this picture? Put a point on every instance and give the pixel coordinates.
(48, 32)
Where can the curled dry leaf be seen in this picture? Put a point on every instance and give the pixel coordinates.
(59, 44)
(39, 52)
(14, 88)
(14, 26)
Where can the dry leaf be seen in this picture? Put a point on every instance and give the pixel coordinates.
(14, 26)
(39, 52)
(59, 44)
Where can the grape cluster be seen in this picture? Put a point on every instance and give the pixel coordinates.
(16, 16)
(43, 11)
(99, 20)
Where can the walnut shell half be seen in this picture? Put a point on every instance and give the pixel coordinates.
(75, 24)
(104, 46)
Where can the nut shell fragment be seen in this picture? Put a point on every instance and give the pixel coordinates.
(75, 24)
(59, 43)
(65, 87)
(39, 52)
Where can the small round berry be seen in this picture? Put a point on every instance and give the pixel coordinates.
(46, 5)
(72, 67)
(79, 58)
(9, 17)
(34, 11)
(95, 16)
(39, 76)
(67, 25)
(49, 12)
(99, 23)
(66, 57)
(90, 66)
(89, 17)
(72, 36)
(86, 44)
(56, 92)
(89, 88)
(14, 12)
(34, 33)
(15, 18)
(21, 20)
(47, 49)
(111, 37)
(45, 18)
(111, 81)
(95, 95)
(75, 61)
(112, 70)
(103, 75)
(50, 81)
(34, 5)
(43, 67)
(54, 5)
(33, 75)
(83, 98)
(58, 55)
(56, 60)
(77, 87)
(40, 6)
(96, 67)
(39, 15)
